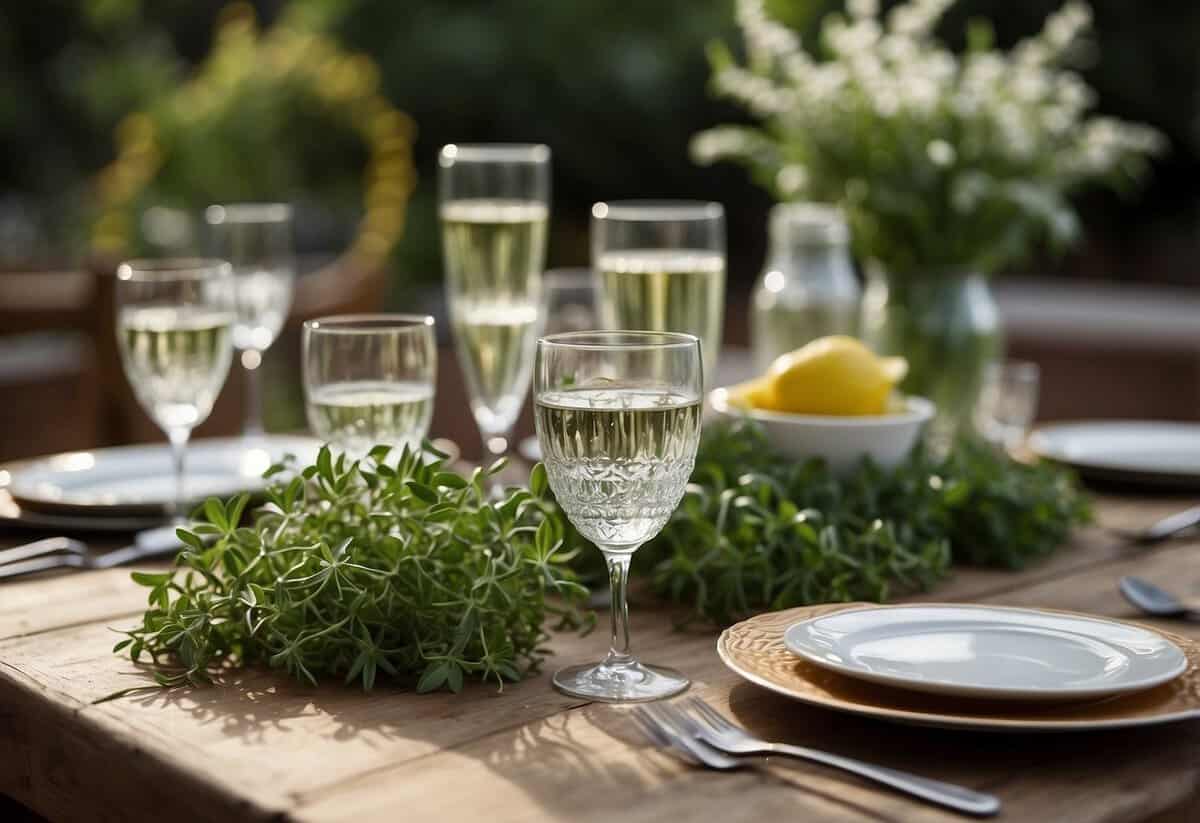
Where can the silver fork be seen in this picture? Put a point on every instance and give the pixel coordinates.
(64, 553)
(714, 729)
(694, 751)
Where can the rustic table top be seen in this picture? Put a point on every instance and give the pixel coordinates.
(265, 748)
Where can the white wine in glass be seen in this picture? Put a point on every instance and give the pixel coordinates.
(369, 380)
(618, 422)
(660, 266)
(174, 331)
(256, 238)
(494, 208)
(357, 415)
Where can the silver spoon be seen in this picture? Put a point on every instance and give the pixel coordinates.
(1162, 530)
(1155, 600)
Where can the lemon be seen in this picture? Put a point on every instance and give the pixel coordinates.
(753, 394)
(835, 375)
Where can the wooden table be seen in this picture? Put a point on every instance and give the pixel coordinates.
(265, 748)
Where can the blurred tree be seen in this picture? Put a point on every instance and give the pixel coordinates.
(615, 89)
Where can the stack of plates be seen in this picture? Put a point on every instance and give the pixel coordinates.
(969, 666)
(131, 487)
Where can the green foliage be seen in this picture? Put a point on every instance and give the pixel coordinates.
(357, 568)
(756, 531)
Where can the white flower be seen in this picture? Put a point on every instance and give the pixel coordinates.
(941, 153)
(917, 17)
(791, 180)
(863, 8)
(998, 122)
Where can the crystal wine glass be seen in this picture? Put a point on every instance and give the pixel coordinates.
(494, 206)
(660, 265)
(174, 320)
(618, 419)
(369, 379)
(256, 238)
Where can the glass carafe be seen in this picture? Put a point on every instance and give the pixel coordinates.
(808, 288)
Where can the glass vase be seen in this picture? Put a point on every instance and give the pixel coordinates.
(948, 327)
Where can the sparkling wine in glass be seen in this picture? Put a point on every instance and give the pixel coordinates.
(256, 238)
(174, 330)
(660, 266)
(369, 379)
(618, 420)
(494, 207)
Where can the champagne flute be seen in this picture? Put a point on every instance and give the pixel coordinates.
(494, 206)
(618, 419)
(369, 379)
(174, 319)
(660, 266)
(256, 238)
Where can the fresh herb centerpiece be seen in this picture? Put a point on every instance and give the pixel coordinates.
(353, 568)
(758, 532)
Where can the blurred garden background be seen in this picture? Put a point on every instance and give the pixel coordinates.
(121, 119)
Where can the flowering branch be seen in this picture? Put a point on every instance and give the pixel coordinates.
(939, 159)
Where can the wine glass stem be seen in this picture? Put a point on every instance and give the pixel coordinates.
(618, 579)
(252, 420)
(179, 439)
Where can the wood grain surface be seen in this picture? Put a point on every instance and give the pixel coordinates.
(264, 748)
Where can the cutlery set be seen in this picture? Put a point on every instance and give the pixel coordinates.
(68, 553)
(701, 735)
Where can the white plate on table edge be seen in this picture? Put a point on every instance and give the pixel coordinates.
(1158, 453)
(15, 516)
(139, 480)
(981, 648)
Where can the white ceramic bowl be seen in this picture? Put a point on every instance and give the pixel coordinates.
(841, 441)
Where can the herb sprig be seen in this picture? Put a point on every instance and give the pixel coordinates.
(756, 531)
(356, 569)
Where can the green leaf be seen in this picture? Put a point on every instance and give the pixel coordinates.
(379, 453)
(421, 491)
(433, 678)
(151, 579)
(537, 481)
(325, 464)
(215, 512)
(189, 538)
(450, 480)
(429, 448)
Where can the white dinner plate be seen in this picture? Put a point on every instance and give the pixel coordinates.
(1144, 452)
(139, 480)
(988, 651)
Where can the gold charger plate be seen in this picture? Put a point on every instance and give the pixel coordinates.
(754, 649)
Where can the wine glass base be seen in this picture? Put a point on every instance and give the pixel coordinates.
(631, 683)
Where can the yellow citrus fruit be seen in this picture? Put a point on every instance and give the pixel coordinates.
(835, 375)
(753, 394)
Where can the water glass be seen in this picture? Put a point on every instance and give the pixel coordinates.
(568, 301)
(660, 266)
(174, 322)
(494, 204)
(256, 238)
(369, 380)
(1008, 402)
(618, 421)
